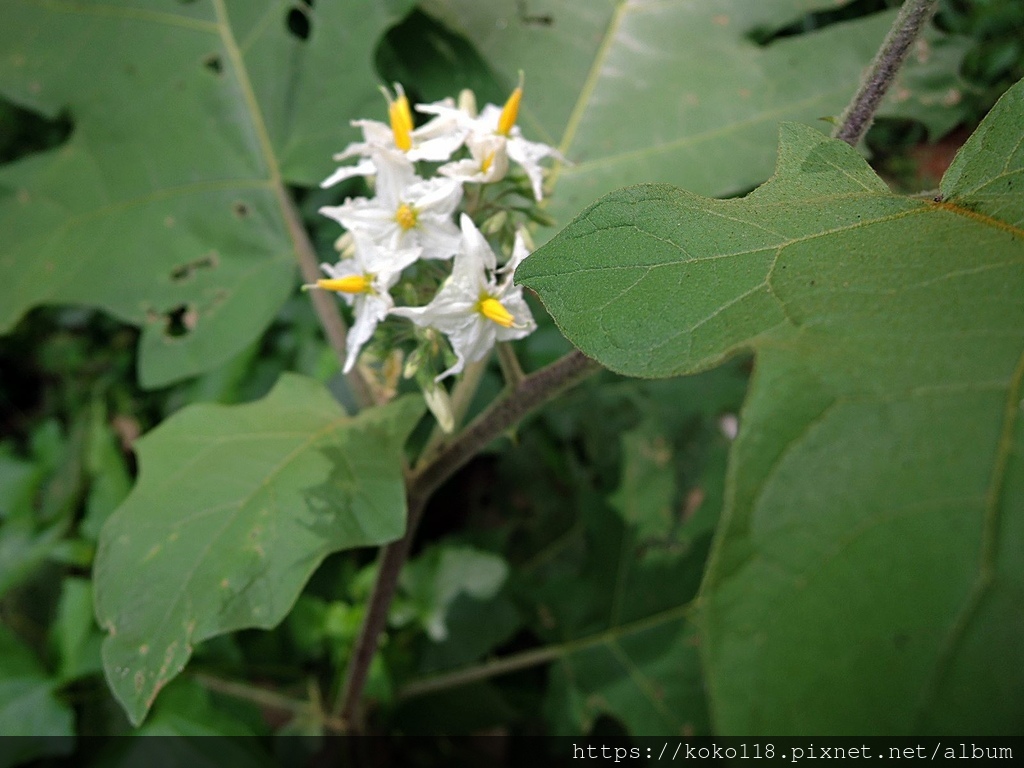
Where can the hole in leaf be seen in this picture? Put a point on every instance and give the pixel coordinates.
(181, 321)
(240, 209)
(811, 22)
(24, 132)
(213, 63)
(188, 270)
(532, 19)
(298, 21)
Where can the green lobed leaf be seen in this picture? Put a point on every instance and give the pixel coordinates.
(167, 207)
(234, 509)
(870, 553)
(678, 91)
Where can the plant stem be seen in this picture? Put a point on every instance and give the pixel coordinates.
(263, 697)
(531, 392)
(860, 113)
(510, 367)
(489, 669)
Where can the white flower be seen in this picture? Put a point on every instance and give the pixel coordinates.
(499, 123)
(488, 161)
(407, 212)
(434, 142)
(471, 308)
(363, 282)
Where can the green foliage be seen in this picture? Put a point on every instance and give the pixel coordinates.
(167, 207)
(847, 563)
(867, 557)
(703, 96)
(29, 705)
(234, 509)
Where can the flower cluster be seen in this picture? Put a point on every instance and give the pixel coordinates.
(418, 236)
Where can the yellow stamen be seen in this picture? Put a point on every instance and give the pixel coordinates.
(493, 310)
(350, 284)
(487, 162)
(406, 216)
(401, 119)
(510, 111)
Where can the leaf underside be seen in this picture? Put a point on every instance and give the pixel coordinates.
(865, 573)
(166, 207)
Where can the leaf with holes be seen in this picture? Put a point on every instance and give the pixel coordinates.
(869, 569)
(167, 207)
(646, 90)
(234, 509)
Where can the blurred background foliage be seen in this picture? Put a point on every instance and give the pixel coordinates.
(593, 501)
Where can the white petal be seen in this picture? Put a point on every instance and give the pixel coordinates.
(362, 168)
(370, 309)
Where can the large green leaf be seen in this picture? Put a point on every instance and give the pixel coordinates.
(678, 91)
(868, 574)
(234, 509)
(168, 207)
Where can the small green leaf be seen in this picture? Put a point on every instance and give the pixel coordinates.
(234, 509)
(74, 633)
(435, 580)
(29, 706)
(869, 555)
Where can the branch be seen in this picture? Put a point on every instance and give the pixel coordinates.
(860, 113)
(530, 393)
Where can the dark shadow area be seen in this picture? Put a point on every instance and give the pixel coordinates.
(812, 22)
(433, 62)
(24, 132)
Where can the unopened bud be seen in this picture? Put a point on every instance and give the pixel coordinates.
(495, 223)
(441, 406)
(345, 245)
(412, 364)
(467, 102)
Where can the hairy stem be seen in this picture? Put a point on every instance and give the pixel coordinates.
(531, 392)
(860, 113)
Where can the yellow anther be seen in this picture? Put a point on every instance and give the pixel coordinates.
(510, 111)
(493, 310)
(401, 118)
(350, 284)
(487, 162)
(406, 216)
